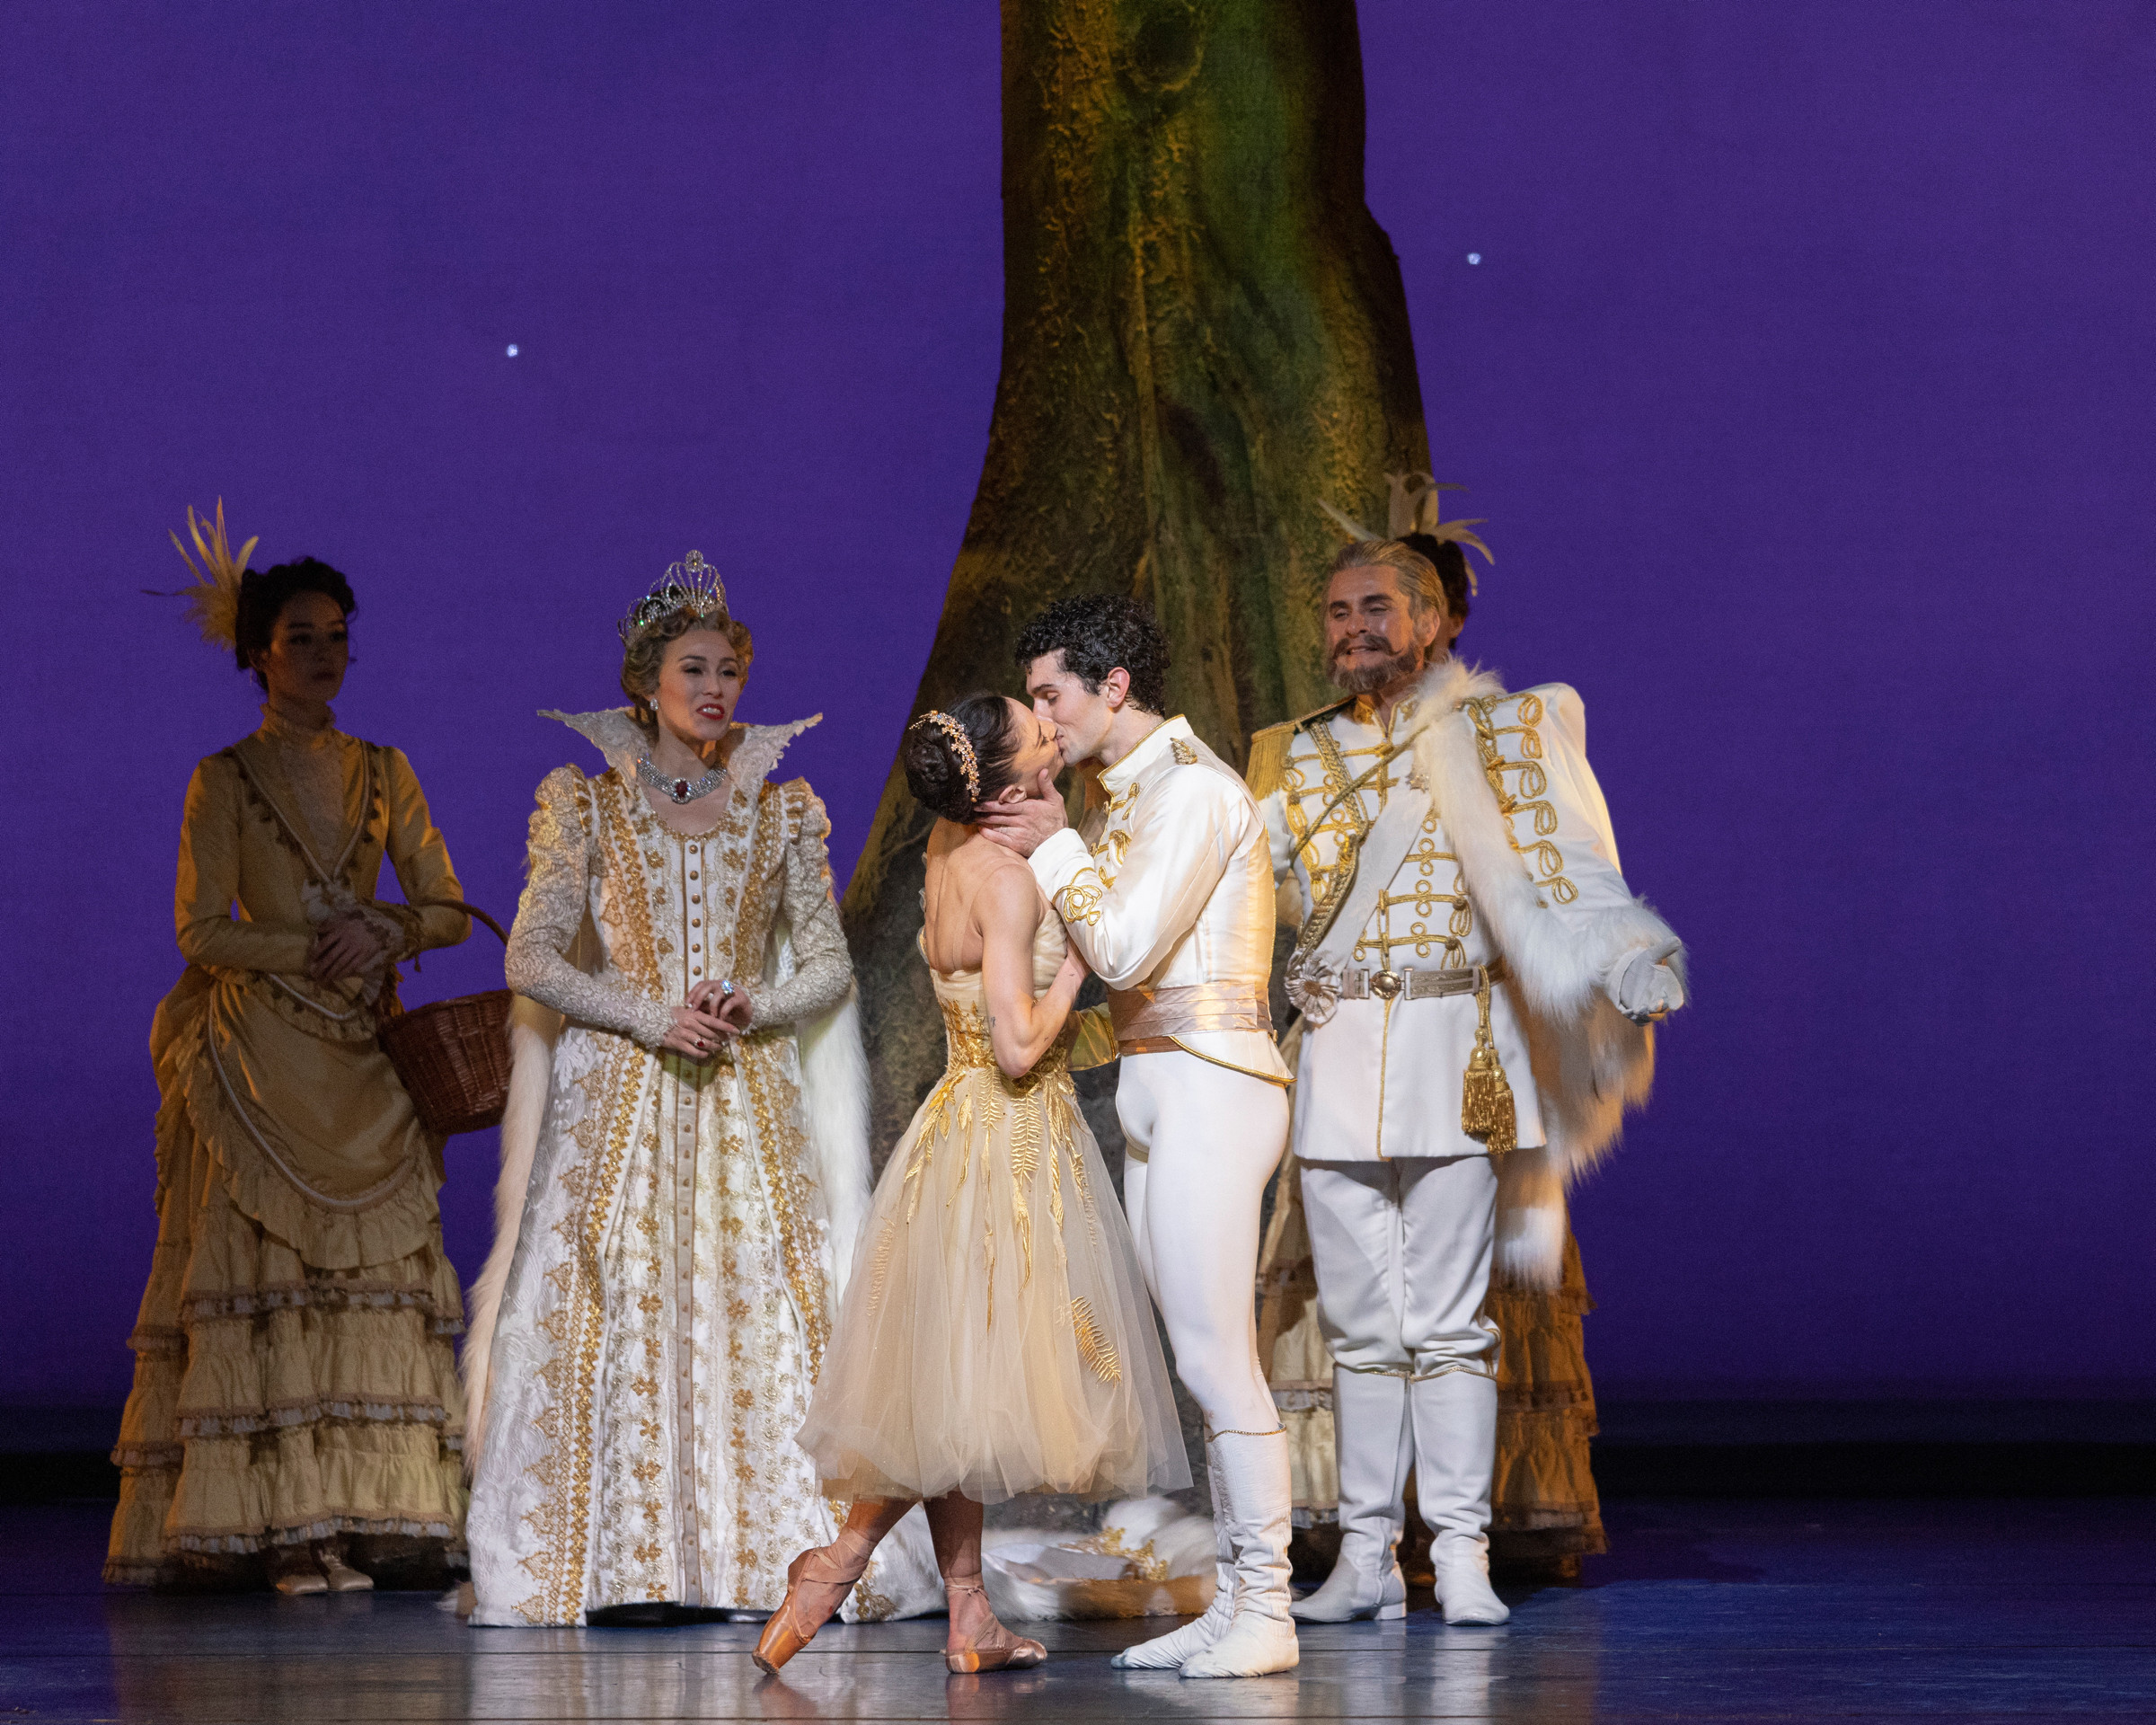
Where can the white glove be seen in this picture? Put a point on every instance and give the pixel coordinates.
(1643, 988)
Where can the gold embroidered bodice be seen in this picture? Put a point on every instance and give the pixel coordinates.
(965, 1003)
(672, 909)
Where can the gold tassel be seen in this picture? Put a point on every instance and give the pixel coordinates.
(1487, 1111)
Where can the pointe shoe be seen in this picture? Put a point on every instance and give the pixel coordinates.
(340, 1576)
(790, 1627)
(1014, 1654)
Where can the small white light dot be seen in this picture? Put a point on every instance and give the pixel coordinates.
(1472, 257)
(512, 350)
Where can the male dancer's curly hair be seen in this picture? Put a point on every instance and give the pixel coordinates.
(1096, 632)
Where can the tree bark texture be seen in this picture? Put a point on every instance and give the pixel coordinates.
(1204, 331)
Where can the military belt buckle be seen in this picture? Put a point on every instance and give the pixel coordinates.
(1387, 984)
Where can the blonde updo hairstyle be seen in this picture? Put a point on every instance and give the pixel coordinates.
(647, 651)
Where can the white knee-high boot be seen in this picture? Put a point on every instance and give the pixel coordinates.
(1455, 1451)
(1260, 1499)
(1376, 1447)
(1167, 1652)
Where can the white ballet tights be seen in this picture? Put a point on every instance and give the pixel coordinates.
(1202, 1141)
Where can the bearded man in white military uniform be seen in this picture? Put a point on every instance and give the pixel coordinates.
(1477, 984)
(1169, 897)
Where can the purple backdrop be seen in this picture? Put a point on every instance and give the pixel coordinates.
(1803, 379)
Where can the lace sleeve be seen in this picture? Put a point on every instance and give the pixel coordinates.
(822, 970)
(556, 893)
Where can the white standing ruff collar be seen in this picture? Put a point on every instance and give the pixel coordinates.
(615, 734)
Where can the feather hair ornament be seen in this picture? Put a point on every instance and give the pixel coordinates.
(214, 600)
(1412, 506)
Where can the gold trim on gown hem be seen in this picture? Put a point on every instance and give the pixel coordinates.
(995, 1337)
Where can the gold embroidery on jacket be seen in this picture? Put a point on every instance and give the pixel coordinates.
(1546, 863)
(1080, 902)
(1344, 820)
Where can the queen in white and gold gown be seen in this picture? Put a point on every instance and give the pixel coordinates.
(671, 1228)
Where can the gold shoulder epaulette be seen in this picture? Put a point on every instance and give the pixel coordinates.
(1267, 769)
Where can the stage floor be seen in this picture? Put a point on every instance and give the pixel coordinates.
(1705, 1610)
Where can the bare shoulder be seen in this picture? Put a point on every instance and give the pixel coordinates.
(1007, 891)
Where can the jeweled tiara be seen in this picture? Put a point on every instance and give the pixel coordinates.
(690, 585)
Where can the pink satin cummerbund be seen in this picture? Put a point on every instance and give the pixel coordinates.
(1143, 1012)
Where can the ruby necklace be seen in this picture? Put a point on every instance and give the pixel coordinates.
(679, 789)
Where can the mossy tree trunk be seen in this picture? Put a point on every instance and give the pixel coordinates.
(1204, 332)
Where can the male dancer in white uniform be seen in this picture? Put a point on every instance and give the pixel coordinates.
(1169, 897)
(1477, 981)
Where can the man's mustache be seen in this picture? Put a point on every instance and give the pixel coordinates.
(1375, 643)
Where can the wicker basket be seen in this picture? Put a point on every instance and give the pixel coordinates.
(453, 1055)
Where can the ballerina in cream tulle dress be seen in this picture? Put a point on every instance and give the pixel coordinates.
(995, 1337)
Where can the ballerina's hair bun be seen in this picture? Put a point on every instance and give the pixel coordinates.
(959, 756)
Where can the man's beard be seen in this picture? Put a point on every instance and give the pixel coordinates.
(1368, 678)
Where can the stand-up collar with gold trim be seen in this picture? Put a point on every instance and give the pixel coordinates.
(1157, 743)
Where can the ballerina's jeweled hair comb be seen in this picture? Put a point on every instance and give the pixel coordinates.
(961, 745)
(690, 585)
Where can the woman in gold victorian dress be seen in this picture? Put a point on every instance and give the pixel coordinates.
(684, 1158)
(996, 1338)
(295, 1408)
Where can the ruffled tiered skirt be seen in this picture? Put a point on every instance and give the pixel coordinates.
(295, 1372)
